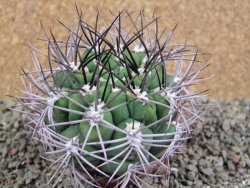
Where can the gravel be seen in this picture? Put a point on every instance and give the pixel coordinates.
(218, 155)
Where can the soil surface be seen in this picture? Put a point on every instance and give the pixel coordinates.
(220, 28)
(218, 155)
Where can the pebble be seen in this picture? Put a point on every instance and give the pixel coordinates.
(13, 151)
(13, 164)
(230, 165)
(207, 171)
(242, 164)
(4, 152)
(224, 176)
(191, 168)
(224, 154)
(236, 149)
(2, 137)
(202, 162)
(236, 158)
(16, 124)
(191, 175)
(29, 161)
(31, 175)
(226, 125)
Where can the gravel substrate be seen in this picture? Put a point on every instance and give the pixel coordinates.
(218, 155)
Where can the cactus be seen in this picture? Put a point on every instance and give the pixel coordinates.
(108, 107)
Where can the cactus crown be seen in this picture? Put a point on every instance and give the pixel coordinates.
(108, 107)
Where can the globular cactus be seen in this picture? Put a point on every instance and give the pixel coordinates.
(114, 103)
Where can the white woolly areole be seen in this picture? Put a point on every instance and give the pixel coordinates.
(96, 48)
(95, 115)
(141, 96)
(71, 149)
(95, 61)
(132, 127)
(120, 46)
(54, 97)
(139, 49)
(144, 59)
(121, 68)
(117, 59)
(171, 96)
(116, 89)
(115, 79)
(158, 89)
(135, 138)
(74, 66)
(87, 89)
(141, 70)
(130, 166)
(176, 79)
(102, 79)
(178, 129)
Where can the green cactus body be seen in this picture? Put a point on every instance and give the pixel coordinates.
(89, 57)
(137, 57)
(118, 135)
(68, 80)
(155, 78)
(140, 111)
(120, 114)
(162, 129)
(111, 167)
(62, 80)
(131, 107)
(105, 132)
(73, 131)
(104, 93)
(76, 98)
(59, 115)
(161, 110)
(112, 63)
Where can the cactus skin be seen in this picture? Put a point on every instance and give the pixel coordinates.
(108, 106)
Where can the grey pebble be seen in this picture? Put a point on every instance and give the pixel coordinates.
(242, 164)
(224, 154)
(4, 152)
(226, 125)
(230, 165)
(202, 162)
(207, 171)
(236, 149)
(2, 137)
(224, 176)
(191, 175)
(13, 164)
(191, 168)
